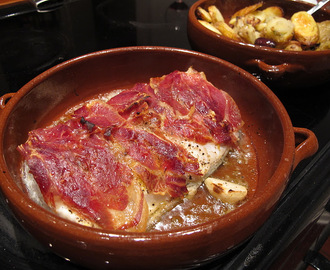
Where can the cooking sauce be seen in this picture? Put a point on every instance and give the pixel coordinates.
(240, 166)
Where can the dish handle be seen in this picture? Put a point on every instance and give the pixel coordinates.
(306, 144)
(4, 99)
(275, 71)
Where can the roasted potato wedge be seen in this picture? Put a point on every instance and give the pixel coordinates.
(244, 11)
(215, 14)
(203, 15)
(306, 30)
(227, 31)
(209, 26)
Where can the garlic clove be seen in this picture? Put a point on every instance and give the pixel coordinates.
(227, 192)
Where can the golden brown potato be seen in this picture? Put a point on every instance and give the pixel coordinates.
(273, 11)
(227, 31)
(267, 14)
(215, 14)
(324, 31)
(209, 26)
(244, 11)
(293, 45)
(306, 30)
(203, 14)
(279, 30)
(324, 46)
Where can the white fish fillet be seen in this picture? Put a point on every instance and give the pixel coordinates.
(35, 194)
(209, 156)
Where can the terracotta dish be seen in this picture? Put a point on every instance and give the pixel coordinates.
(275, 67)
(50, 93)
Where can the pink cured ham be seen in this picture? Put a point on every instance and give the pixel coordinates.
(183, 103)
(105, 156)
(80, 169)
(155, 159)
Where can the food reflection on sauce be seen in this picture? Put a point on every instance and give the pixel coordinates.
(240, 167)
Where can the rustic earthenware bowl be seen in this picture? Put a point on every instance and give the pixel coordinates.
(50, 93)
(277, 68)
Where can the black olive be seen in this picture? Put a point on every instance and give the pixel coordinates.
(265, 42)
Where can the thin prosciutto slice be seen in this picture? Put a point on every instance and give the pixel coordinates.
(156, 160)
(103, 159)
(183, 104)
(80, 169)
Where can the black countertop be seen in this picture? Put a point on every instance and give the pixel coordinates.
(33, 42)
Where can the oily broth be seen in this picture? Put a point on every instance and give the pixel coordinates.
(240, 166)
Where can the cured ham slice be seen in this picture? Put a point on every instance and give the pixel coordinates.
(184, 104)
(157, 160)
(121, 163)
(82, 171)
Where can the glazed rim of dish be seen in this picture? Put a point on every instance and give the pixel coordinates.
(21, 200)
(193, 19)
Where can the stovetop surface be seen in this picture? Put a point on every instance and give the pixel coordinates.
(33, 42)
